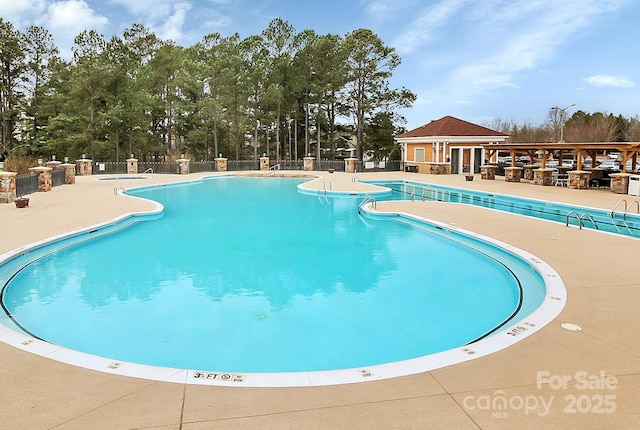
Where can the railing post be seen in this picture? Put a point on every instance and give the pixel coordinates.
(132, 165)
(44, 178)
(264, 163)
(183, 166)
(309, 164)
(350, 165)
(69, 173)
(84, 167)
(221, 164)
(7, 187)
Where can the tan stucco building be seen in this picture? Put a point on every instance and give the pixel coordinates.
(447, 145)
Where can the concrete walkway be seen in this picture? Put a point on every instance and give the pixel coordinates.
(594, 373)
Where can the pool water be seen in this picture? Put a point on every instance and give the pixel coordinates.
(592, 218)
(249, 275)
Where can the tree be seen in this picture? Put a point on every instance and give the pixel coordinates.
(40, 53)
(370, 65)
(379, 132)
(280, 43)
(11, 80)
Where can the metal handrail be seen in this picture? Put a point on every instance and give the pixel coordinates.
(368, 199)
(635, 202)
(577, 217)
(612, 213)
(590, 218)
(149, 170)
(581, 219)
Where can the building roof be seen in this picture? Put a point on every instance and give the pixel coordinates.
(450, 126)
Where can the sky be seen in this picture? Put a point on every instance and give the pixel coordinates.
(477, 60)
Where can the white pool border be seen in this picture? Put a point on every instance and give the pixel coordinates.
(553, 303)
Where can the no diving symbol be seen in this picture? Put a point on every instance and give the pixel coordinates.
(225, 377)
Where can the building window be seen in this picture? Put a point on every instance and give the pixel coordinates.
(419, 155)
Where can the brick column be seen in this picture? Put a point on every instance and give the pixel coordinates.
(527, 173)
(512, 174)
(221, 164)
(264, 163)
(543, 177)
(7, 187)
(69, 173)
(620, 182)
(84, 167)
(488, 171)
(132, 165)
(183, 166)
(44, 178)
(350, 165)
(579, 179)
(53, 164)
(309, 163)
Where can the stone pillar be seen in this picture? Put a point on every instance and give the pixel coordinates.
(84, 167)
(264, 163)
(543, 177)
(221, 164)
(512, 174)
(69, 173)
(350, 165)
(487, 171)
(579, 179)
(53, 164)
(528, 172)
(183, 166)
(132, 165)
(44, 178)
(7, 187)
(309, 164)
(620, 182)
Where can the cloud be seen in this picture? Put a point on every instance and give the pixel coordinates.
(610, 81)
(172, 27)
(427, 26)
(22, 12)
(73, 17)
(66, 19)
(494, 42)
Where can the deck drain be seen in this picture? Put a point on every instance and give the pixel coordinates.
(570, 326)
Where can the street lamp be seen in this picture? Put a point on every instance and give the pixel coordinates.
(562, 117)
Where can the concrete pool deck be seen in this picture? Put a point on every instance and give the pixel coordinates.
(505, 390)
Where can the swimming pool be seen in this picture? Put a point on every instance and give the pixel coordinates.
(592, 218)
(346, 295)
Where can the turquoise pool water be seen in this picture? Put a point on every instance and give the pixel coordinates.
(249, 275)
(592, 218)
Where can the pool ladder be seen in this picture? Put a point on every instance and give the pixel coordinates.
(368, 199)
(322, 192)
(149, 170)
(273, 169)
(581, 219)
(116, 190)
(627, 208)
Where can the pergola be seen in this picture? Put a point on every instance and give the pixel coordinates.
(629, 150)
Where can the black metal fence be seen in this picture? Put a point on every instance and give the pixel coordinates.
(242, 165)
(27, 184)
(57, 177)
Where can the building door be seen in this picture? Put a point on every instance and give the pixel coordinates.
(455, 161)
(477, 161)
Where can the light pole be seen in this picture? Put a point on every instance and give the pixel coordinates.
(562, 117)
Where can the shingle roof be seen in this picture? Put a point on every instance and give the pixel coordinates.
(450, 126)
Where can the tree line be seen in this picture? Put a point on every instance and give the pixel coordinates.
(284, 93)
(579, 127)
